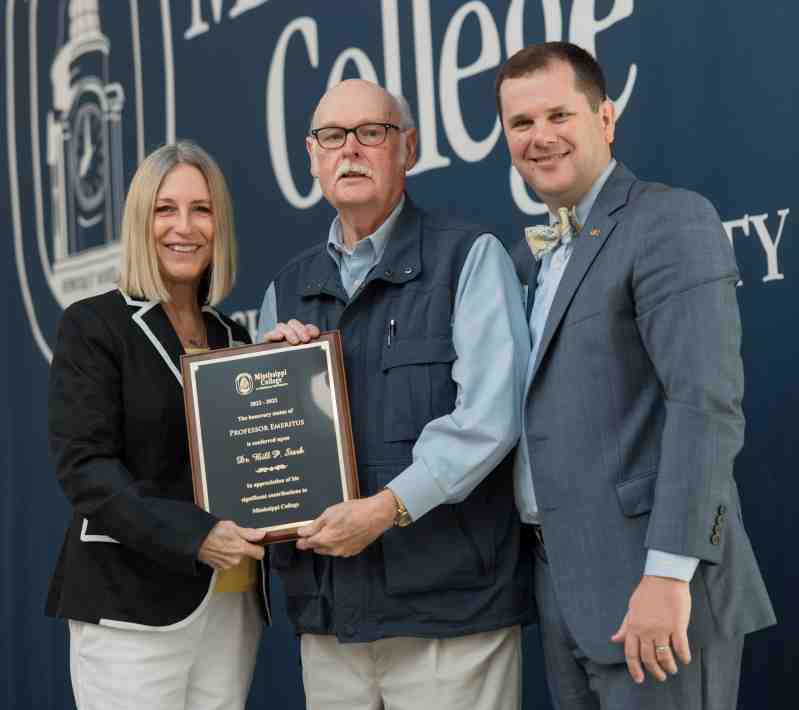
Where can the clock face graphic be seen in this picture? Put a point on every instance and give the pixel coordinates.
(88, 153)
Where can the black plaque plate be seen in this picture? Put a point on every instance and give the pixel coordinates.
(270, 433)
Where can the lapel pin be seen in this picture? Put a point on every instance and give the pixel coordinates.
(594, 232)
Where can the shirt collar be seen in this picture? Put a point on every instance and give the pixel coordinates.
(376, 242)
(586, 204)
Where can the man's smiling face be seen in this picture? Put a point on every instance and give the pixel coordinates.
(559, 144)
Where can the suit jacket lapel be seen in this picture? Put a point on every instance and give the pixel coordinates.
(220, 335)
(152, 319)
(588, 244)
(154, 323)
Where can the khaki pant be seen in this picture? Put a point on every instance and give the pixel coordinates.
(476, 672)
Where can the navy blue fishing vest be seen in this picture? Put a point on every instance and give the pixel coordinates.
(458, 569)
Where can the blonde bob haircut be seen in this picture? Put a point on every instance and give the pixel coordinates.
(140, 276)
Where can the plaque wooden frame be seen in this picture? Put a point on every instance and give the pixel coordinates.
(347, 470)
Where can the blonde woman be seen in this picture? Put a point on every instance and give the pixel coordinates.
(165, 602)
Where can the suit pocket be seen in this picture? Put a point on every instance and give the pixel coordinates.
(580, 317)
(637, 495)
(419, 386)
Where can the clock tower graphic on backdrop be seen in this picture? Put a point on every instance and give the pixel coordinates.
(90, 87)
(84, 148)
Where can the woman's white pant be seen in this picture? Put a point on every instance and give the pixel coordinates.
(205, 665)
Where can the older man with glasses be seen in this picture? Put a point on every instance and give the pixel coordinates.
(413, 596)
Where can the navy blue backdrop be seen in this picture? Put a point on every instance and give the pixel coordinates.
(707, 96)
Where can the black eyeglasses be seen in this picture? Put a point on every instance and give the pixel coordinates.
(367, 134)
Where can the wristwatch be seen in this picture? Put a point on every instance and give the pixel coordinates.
(402, 518)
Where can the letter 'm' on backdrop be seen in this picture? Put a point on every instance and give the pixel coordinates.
(706, 93)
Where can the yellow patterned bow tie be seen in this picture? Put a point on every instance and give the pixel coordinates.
(542, 238)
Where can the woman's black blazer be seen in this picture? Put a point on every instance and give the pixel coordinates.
(118, 434)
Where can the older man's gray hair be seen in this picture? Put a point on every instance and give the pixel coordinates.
(401, 106)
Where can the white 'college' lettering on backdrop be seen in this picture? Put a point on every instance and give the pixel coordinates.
(583, 29)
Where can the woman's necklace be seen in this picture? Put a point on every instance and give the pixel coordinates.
(193, 337)
(198, 341)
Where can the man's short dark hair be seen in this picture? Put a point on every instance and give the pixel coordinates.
(588, 75)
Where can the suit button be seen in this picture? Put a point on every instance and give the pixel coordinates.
(716, 539)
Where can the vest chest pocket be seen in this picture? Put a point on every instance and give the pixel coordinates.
(418, 385)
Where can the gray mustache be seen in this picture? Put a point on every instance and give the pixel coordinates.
(347, 166)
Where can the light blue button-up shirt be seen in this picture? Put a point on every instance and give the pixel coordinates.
(355, 264)
(550, 273)
(489, 333)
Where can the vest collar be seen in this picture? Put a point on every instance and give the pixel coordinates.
(401, 261)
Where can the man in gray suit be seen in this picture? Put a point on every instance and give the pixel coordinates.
(632, 412)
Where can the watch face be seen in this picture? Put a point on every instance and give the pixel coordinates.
(88, 155)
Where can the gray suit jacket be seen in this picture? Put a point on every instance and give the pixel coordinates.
(634, 416)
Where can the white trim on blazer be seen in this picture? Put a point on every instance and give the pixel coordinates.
(114, 624)
(94, 538)
(146, 306)
(138, 318)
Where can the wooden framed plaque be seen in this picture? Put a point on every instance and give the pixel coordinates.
(270, 434)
